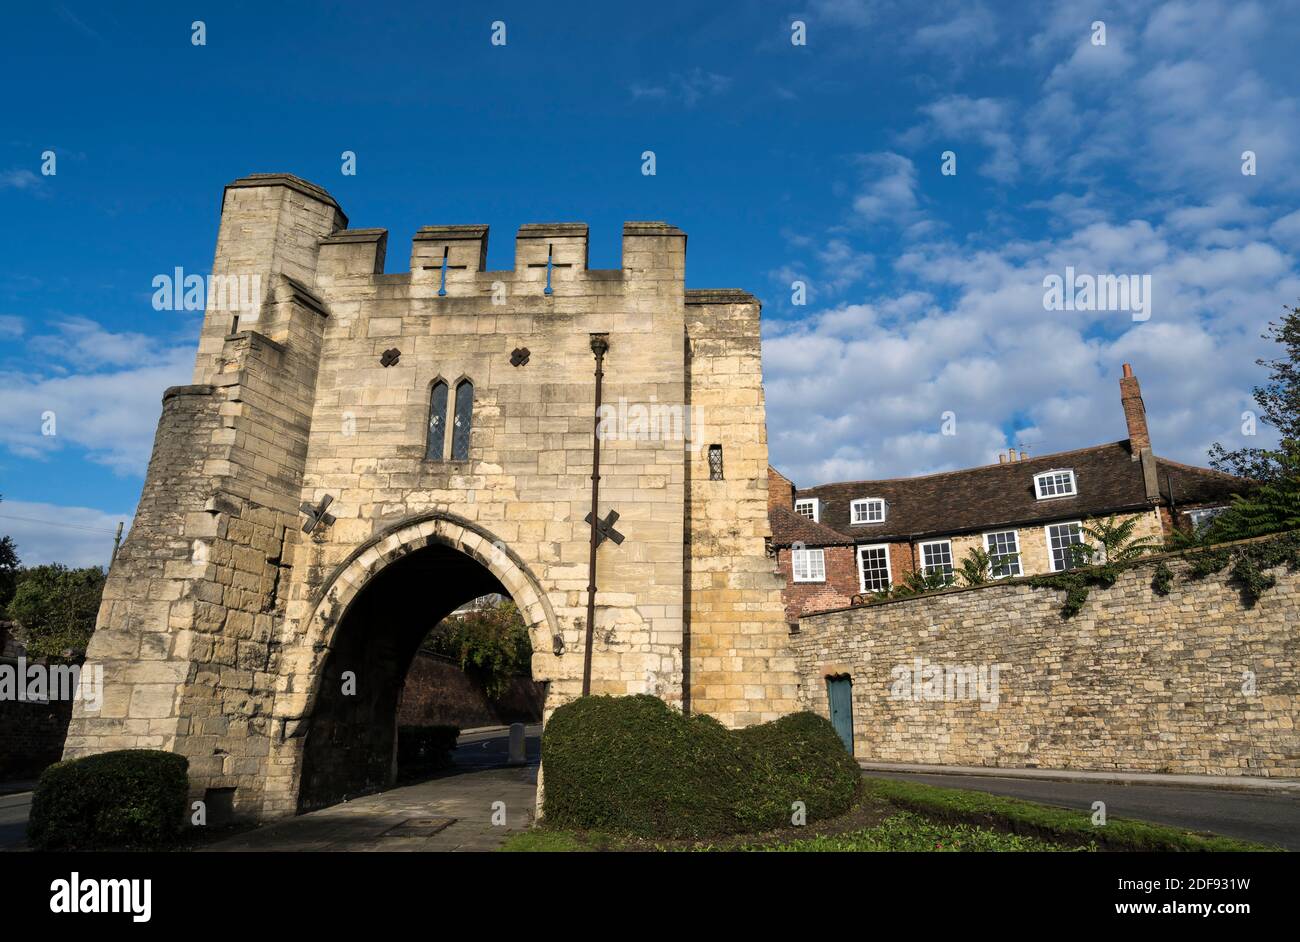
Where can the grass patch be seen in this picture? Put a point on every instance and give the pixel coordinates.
(911, 832)
(1058, 825)
(894, 815)
(542, 840)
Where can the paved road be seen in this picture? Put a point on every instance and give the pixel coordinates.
(13, 819)
(1270, 818)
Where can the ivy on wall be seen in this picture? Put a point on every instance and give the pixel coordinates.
(1248, 561)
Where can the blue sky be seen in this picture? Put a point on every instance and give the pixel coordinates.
(819, 163)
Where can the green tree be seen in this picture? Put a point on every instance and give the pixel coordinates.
(9, 564)
(1279, 407)
(490, 642)
(56, 608)
(1275, 504)
(1269, 508)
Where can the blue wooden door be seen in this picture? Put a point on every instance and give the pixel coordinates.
(840, 693)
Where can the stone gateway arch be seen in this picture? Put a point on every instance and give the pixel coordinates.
(361, 452)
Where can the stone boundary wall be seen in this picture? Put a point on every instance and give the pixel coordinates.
(1135, 681)
(437, 692)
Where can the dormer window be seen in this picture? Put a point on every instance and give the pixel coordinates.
(807, 507)
(1055, 484)
(867, 510)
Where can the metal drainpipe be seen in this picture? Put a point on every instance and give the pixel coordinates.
(599, 345)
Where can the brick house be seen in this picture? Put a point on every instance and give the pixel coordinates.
(836, 541)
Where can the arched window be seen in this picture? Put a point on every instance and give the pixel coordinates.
(437, 422)
(461, 424)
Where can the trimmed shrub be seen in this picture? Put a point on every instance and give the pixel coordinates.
(424, 749)
(805, 760)
(633, 765)
(131, 798)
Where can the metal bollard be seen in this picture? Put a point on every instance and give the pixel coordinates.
(517, 756)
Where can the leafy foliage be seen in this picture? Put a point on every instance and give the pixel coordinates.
(56, 608)
(1115, 540)
(633, 765)
(9, 564)
(490, 643)
(977, 567)
(1162, 579)
(1269, 508)
(1279, 406)
(131, 798)
(918, 582)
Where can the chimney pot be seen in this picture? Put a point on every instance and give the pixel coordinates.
(1002, 458)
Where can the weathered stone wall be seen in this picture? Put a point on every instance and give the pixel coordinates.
(741, 668)
(1134, 681)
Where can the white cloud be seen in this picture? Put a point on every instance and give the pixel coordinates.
(1287, 229)
(84, 343)
(858, 389)
(55, 533)
(889, 190)
(857, 14)
(19, 180)
(687, 87)
(973, 26)
(1172, 99)
(109, 406)
(10, 326)
(956, 118)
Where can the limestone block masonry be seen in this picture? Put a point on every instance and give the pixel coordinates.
(219, 611)
(1193, 682)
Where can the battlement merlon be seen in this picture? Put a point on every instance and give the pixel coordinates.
(352, 252)
(464, 248)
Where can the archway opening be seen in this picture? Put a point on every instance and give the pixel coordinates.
(380, 656)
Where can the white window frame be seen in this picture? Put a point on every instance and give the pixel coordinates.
(1038, 484)
(808, 569)
(862, 577)
(1017, 561)
(816, 508)
(1047, 538)
(865, 503)
(952, 560)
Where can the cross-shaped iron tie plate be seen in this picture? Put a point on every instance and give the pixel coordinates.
(605, 528)
(317, 514)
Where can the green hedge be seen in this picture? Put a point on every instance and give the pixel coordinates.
(124, 799)
(633, 765)
(423, 749)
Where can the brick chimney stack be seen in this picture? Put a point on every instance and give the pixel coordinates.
(1135, 413)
